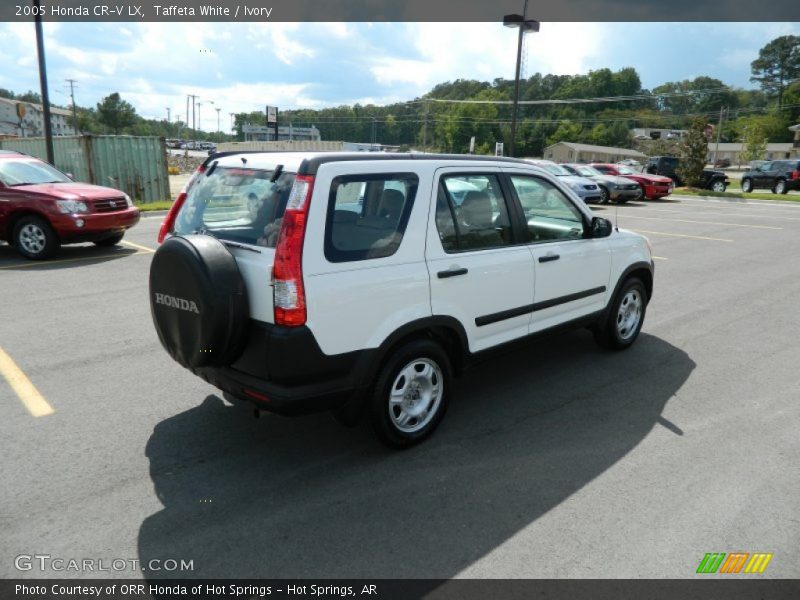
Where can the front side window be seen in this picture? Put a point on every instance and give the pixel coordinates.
(236, 204)
(367, 215)
(471, 213)
(548, 213)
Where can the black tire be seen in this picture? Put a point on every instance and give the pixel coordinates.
(198, 301)
(747, 186)
(34, 238)
(642, 195)
(718, 186)
(384, 412)
(607, 333)
(110, 241)
(605, 197)
(780, 187)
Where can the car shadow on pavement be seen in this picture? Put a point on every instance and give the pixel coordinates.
(292, 498)
(67, 257)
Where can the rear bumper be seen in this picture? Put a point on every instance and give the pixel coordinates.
(95, 226)
(283, 370)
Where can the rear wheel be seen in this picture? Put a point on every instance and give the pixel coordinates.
(625, 316)
(780, 187)
(34, 238)
(411, 394)
(747, 186)
(110, 241)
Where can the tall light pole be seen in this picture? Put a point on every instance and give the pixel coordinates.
(218, 109)
(48, 129)
(525, 26)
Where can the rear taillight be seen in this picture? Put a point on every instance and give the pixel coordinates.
(795, 174)
(169, 220)
(287, 271)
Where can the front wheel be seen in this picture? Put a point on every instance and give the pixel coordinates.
(411, 394)
(604, 195)
(718, 186)
(747, 186)
(625, 316)
(34, 238)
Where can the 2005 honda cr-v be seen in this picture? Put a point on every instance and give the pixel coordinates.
(363, 282)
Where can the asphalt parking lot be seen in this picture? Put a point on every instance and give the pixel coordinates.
(559, 460)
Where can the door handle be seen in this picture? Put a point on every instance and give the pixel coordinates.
(548, 258)
(451, 273)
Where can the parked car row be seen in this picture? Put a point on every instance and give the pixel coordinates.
(190, 145)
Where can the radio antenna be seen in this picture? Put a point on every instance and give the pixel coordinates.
(616, 216)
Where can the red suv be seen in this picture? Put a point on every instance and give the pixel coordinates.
(41, 208)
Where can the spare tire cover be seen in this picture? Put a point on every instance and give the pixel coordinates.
(198, 301)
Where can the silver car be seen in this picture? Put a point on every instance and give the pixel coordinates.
(587, 190)
(612, 187)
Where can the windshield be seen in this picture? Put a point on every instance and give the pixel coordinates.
(588, 171)
(623, 170)
(236, 204)
(29, 172)
(555, 169)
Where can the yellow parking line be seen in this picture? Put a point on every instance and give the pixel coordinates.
(27, 392)
(682, 235)
(703, 222)
(137, 246)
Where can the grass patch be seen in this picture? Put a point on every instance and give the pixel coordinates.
(737, 194)
(148, 206)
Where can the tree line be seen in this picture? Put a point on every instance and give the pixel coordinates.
(432, 123)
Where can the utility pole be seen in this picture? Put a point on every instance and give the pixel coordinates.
(232, 122)
(169, 116)
(48, 128)
(194, 99)
(218, 111)
(72, 83)
(524, 25)
(373, 131)
(719, 131)
(425, 128)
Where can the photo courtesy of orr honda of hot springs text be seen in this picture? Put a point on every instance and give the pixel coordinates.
(363, 284)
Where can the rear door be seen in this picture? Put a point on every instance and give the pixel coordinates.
(481, 271)
(572, 271)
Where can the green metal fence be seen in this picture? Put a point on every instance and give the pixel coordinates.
(136, 165)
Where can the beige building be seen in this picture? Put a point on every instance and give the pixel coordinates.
(570, 152)
(32, 123)
(733, 152)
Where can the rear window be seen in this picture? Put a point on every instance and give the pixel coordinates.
(236, 204)
(367, 215)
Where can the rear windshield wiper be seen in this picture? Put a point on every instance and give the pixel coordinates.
(276, 174)
(240, 246)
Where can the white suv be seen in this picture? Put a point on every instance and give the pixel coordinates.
(356, 282)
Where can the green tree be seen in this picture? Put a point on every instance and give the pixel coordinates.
(755, 141)
(778, 63)
(694, 150)
(115, 113)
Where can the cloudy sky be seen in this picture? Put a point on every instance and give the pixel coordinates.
(242, 67)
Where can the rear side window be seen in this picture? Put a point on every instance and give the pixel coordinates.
(236, 204)
(367, 215)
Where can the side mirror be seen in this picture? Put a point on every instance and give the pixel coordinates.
(600, 227)
(70, 175)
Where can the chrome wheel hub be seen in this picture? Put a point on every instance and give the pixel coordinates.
(629, 314)
(415, 395)
(32, 238)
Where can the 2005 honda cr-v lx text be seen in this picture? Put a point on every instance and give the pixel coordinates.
(356, 283)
